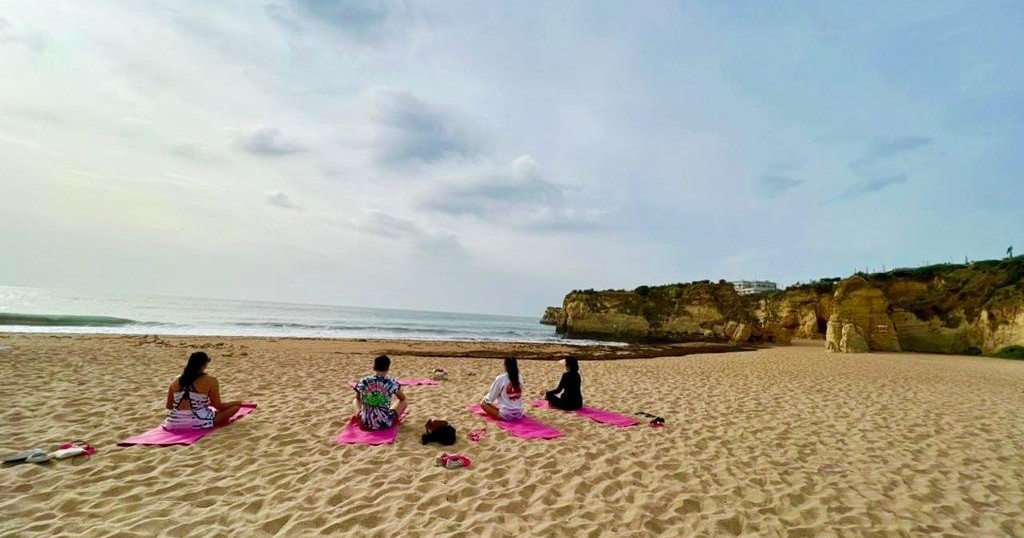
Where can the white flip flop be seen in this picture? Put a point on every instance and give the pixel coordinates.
(38, 455)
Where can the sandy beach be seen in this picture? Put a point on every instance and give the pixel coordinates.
(789, 441)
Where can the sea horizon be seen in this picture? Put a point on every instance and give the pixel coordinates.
(28, 309)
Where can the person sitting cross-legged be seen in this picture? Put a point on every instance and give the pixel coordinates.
(504, 400)
(373, 397)
(567, 395)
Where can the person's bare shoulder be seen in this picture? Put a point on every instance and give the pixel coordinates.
(206, 383)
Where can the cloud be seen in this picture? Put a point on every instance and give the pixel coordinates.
(870, 185)
(381, 224)
(776, 185)
(193, 150)
(14, 35)
(876, 184)
(410, 131)
(364, 20)
(885, 148)
(878, 169)
(386, 225)
(517, 195)
(280, 199)
(283, 16)
(268, 142)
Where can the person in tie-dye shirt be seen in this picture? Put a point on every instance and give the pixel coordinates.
(373, 397)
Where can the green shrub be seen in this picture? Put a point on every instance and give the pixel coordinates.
(1010, 352)
(971, 350)
(642, 290)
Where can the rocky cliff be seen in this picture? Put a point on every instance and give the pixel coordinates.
(551, 315)
(803, 310)
(678, 312)
(976, 308)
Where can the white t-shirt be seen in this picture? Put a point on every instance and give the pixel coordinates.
(505, 397)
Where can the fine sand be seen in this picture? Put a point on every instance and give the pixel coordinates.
(788, 441)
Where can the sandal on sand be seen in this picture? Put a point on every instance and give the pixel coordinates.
(452, 461)
(22, 457)
(37, 455)
(72, 449)
(656, 421)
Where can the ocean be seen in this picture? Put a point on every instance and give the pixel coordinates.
(38, 310)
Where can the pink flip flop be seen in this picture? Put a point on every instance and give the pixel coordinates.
(453, 461)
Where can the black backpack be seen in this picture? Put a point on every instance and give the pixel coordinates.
(439, 431)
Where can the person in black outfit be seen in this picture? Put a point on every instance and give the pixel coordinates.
(571, 398)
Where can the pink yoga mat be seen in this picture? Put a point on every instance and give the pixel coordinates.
(408, 382)
(160, 437)
(525, 428)
(597, 415)
(354, 434)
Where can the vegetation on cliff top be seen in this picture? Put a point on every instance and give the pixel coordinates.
(955, 287)
(951, 293)
(656, 304)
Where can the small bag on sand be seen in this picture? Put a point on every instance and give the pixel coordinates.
(439, 431)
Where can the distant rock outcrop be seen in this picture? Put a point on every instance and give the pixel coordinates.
(551, 315)
(973, 309)
(678, 312)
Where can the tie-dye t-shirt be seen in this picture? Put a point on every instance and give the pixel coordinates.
(376, 391)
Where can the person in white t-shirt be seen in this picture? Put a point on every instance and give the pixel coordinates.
(504, 401)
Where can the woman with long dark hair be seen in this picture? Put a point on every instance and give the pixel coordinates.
(193, 399)
(504, 401)
(571, 398)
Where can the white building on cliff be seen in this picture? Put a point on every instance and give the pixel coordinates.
(750, 287)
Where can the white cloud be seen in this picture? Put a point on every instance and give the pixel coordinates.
(269, 142)
(194, 150)
(281, 199)
(516, 194)
(410, 131)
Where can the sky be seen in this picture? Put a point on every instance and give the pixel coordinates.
(492, 156)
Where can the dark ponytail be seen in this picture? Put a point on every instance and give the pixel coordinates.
(193, 370)
(512, 369)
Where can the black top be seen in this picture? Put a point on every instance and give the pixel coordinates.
(569, 386)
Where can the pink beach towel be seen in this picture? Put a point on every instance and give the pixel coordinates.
(524, 428)
(597, 415)
(160, 437)
(408, 382)
(354, 434)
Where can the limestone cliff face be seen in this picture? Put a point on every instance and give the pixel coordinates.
(678, 312)
(858, 302)
(551, 315)
(843, 337)
(802, 311)
(976, 308)
(938, 309)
